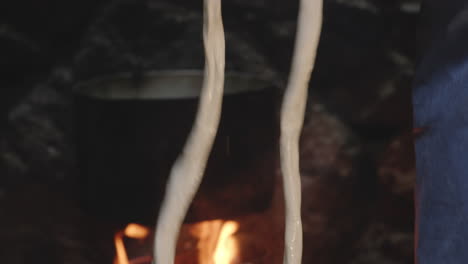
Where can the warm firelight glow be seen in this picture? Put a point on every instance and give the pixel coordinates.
(134, 231)
(121, 257)
(216, 244)
(207, 233)
(227, 247)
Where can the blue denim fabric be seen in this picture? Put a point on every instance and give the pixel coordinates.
(440, 101)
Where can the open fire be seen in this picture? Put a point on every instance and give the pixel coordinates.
(249, 239)
(133, 231)
(215, 243)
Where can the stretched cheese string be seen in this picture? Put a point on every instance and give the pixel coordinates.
(187, 172)
(292, 118)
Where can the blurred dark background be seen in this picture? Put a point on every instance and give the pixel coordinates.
(356, 158)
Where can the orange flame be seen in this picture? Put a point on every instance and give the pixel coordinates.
(121, 257)
(134, 231)
(216, 244)
(227, 247)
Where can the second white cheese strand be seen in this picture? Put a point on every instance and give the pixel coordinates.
(292, 117)
(188, 170)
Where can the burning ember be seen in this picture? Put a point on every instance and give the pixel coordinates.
(216, 243)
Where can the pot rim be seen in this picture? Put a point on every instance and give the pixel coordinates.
(164, 85)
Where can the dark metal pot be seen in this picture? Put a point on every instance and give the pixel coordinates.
(129, 133)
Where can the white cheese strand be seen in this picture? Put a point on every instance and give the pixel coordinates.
(188, 170)
(292, 117)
